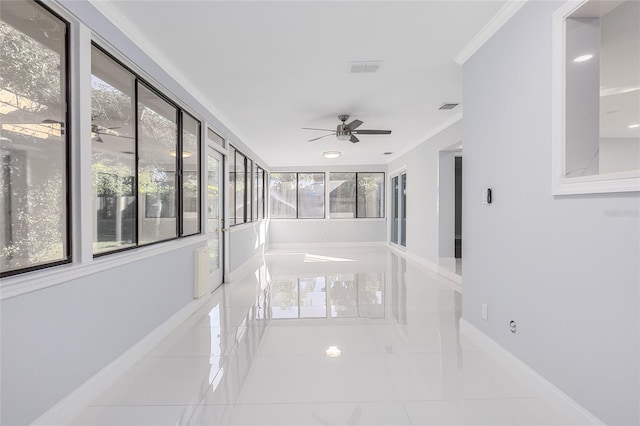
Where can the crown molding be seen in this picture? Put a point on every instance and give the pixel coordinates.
(507, 11)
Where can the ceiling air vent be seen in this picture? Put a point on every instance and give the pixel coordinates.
(448, 105)
(364, 67)
(387, 153)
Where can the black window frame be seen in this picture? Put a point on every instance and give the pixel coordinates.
(247, 216)
(384, 209)
(260, 207)
(66, 131)
(324, 196)
(138, 79)
(356, 212)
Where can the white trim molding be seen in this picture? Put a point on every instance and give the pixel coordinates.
(499, 19)
(562, 185)
(307, 246)
(552, 392)
(455, 281)
(37, 280)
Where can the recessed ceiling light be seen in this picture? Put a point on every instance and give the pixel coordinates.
(583, 58)
(634, 126)
(331, 154)
(333, 352)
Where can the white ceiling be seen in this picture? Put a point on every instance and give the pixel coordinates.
(266, 68)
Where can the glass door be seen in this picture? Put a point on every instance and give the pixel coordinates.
(394, 209)
(398, 234)
(215, 219)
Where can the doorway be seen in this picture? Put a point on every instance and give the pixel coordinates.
(458, 208)
(398, 210)
(449, 206)
(215, 218)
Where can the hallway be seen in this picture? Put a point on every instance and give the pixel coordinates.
(340, 336)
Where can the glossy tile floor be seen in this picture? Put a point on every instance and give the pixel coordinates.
(326, 337)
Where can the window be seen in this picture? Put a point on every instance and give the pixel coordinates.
(157, 165)
(232, 185)
(370, 193)
(213, 136)
(190, 175)
(398, 233)
(157, 196)
(310, 195)
(297, 195)
(113, 153)
(239, 187)
(33, 139)
(358, 195)
(260, 188)
(283, 195)
(250, 190)
(596, 109)
(342, 195)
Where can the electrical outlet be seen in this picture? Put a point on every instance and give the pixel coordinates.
(485, 312)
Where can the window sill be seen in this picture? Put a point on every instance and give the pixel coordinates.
(37, 280)
(599, 184)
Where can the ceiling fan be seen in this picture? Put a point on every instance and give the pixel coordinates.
(97, 130)
(347, 132)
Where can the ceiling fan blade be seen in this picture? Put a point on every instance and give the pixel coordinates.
(311, 128)
(354, 139)
(373, 132)
(315, 139)
(354, 124)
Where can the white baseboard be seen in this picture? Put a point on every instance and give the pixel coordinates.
(285, 246)
(73, 404)
(248, 266)
(457, 279)
(492, 347)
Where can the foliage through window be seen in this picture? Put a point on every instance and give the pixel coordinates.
(33, 138)
(260, 192)
(356, 195)
(157, 197)
(246, 192)
(297, 195)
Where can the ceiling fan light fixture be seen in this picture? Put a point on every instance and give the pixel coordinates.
(344, 136)
(331, 154)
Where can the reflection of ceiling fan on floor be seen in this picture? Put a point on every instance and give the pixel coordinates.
(347, 132)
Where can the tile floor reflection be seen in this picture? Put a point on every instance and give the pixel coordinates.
(326, 337)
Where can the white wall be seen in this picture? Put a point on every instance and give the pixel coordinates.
(564, 268)
(422, 165)
(320, 231)
(247, 241)
(323, 231)
(55, 339)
